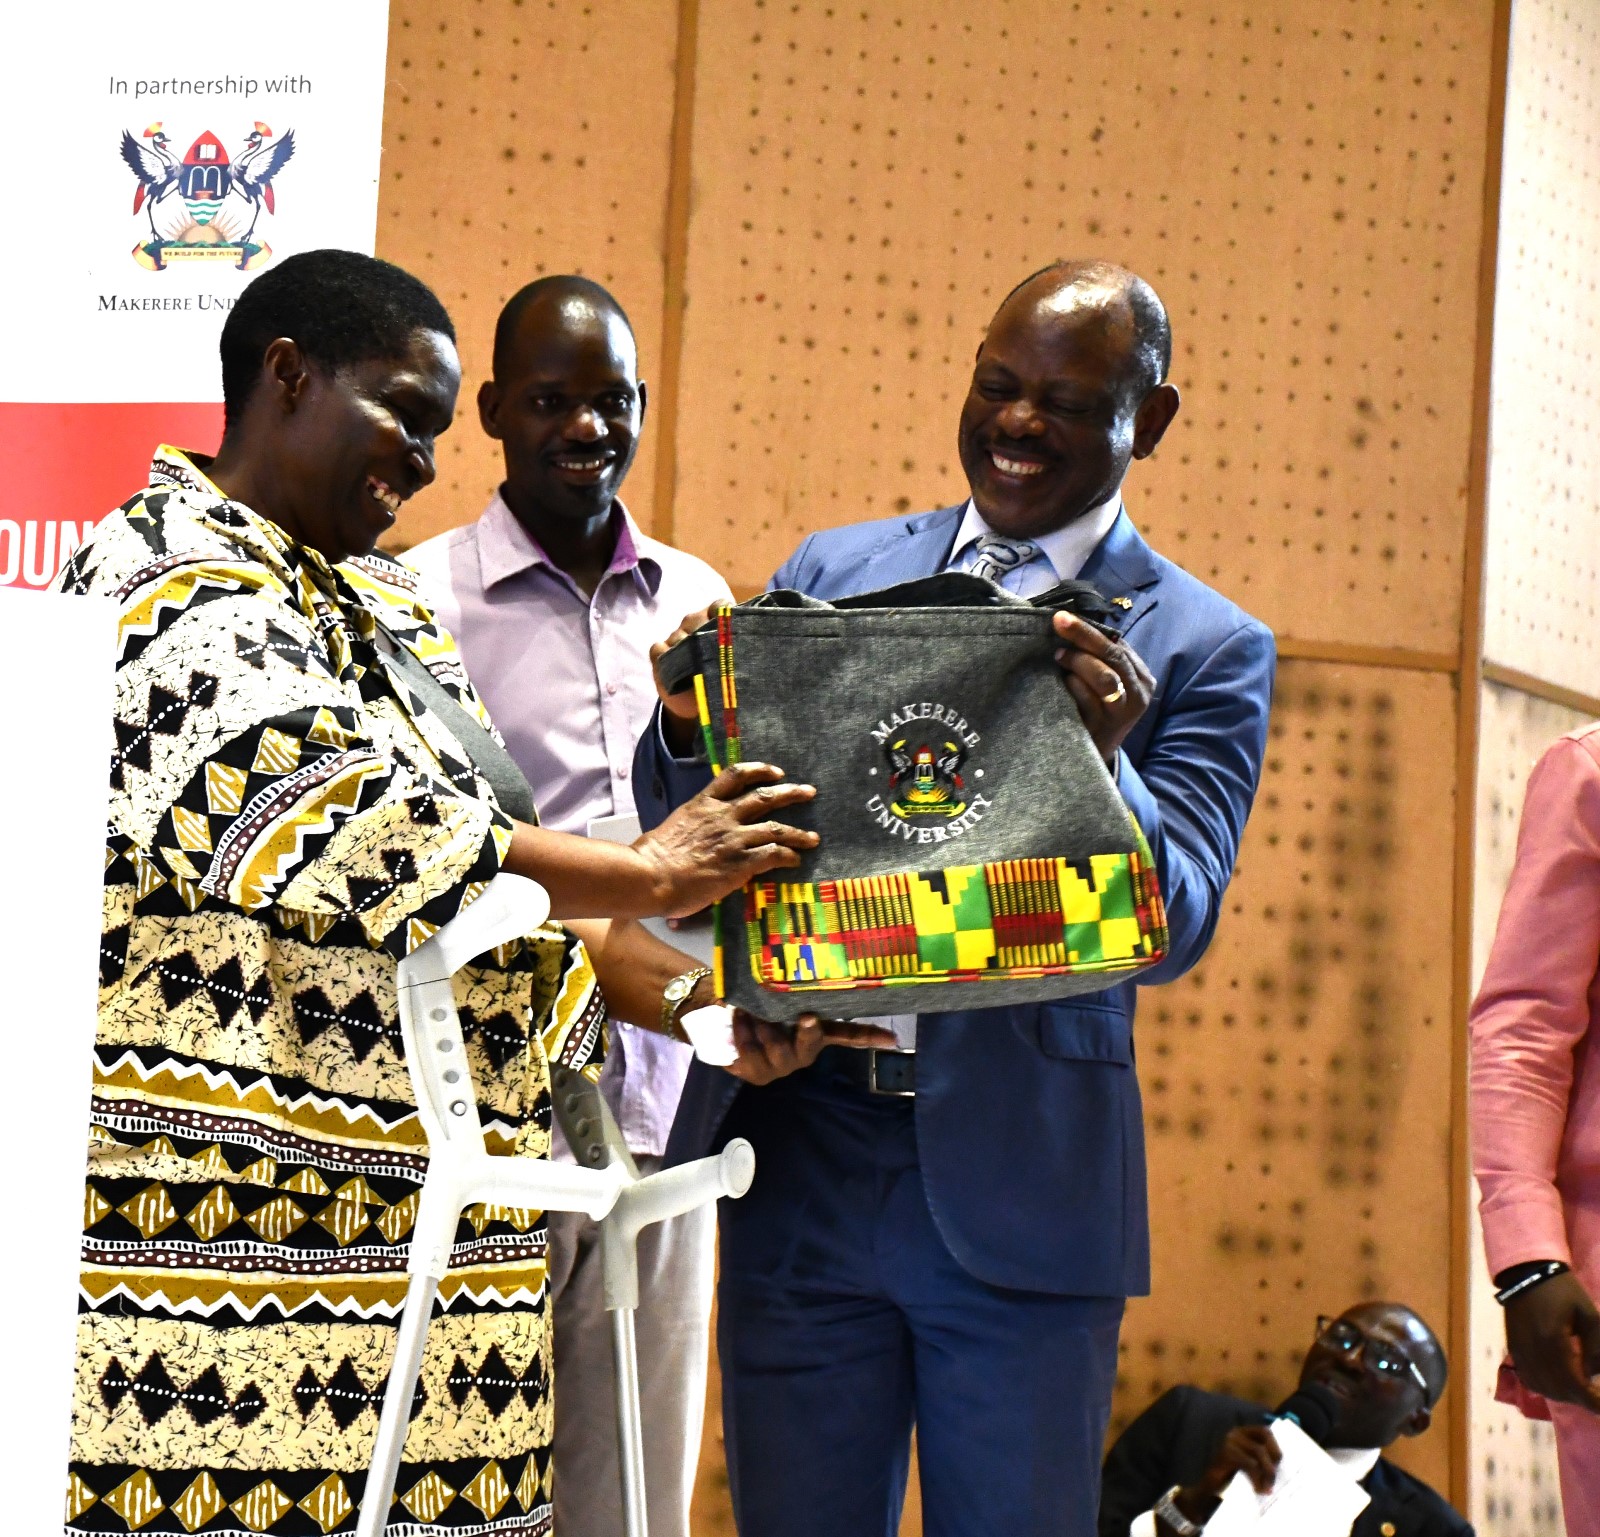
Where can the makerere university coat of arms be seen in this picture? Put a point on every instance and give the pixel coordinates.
(925, 779)
(205, 207)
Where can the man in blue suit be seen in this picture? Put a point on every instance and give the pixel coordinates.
(944, 1235)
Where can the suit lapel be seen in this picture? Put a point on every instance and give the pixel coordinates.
(918, 547)
(1123, 567)
(1386, 1516)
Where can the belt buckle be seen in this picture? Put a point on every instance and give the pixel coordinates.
(873, 1054)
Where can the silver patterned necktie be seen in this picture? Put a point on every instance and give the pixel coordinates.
(998, 558)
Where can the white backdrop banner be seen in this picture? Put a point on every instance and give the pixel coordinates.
(162, 156)
(176, 152)
(56, 659)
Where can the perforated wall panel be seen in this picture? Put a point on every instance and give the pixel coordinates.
(1302, 183)
(1543, 546)
(522, 137)
(1514, 1485)
(1295, 1083)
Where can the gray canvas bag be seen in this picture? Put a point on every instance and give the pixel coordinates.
(974, 851)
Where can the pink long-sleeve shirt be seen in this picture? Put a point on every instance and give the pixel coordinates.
(1535, 1078)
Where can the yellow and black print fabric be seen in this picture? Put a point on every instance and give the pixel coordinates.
(287, 821)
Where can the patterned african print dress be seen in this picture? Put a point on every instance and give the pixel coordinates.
(287, 820)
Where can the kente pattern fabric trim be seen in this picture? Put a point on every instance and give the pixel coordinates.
(1016, 919)
(730, 693)
(288, 818)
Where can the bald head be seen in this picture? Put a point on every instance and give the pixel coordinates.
(561, 300)
(1405, 1326)
(1067, 390)
(565, 404)
(1089, 291)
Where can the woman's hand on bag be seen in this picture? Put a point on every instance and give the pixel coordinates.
(679, 713)
(725, 836)
(1107, 678)
(768, 1051)
(1553, 1333)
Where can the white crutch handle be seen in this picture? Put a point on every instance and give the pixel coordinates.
(657, 1197)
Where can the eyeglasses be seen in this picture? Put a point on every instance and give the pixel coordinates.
(1343, 1336)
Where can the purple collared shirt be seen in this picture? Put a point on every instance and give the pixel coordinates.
(568, 682)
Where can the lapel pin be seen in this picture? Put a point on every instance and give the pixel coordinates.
(1123, 602)
(1387, 1529)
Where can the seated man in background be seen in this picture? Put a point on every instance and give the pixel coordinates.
(1386, 1369)
(554, 597)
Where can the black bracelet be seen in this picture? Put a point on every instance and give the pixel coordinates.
(1516, 1279)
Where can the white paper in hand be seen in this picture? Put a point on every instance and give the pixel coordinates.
(1312, 1495)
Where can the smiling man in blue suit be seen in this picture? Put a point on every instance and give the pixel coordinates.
(943, 1236)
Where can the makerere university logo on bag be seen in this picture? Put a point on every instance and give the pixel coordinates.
(204, 207)
(931, 792)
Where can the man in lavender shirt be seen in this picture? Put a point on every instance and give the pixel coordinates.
(554, 596)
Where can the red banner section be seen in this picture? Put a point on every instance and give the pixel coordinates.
(86, 461)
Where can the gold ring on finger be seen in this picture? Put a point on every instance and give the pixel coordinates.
(1117, 697)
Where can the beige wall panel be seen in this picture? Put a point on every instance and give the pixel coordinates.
(1302, 182)
(1543, 545)
(1297, 1083)
(1513, 1468)
(522, 137)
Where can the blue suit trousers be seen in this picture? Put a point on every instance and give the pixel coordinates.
(843, 1319)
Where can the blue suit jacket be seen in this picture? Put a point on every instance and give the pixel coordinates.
(1029, 1125)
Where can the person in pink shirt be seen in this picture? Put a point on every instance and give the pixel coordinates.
(1535, 1105)
(554, 597)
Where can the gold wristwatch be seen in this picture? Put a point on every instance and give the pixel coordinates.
(673, 998)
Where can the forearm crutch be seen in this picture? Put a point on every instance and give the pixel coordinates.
(461, 1170)
(594, 1138)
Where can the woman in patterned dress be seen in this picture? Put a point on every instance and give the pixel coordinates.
(288, 819)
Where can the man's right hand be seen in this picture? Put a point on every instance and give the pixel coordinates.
(768, 1051)
(1248, 1449)
(725, 836)
(679, 712)
(1553, 1333)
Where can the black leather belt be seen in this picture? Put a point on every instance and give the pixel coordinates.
(878, 1072)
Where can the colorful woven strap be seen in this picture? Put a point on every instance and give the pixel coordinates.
(730, 695)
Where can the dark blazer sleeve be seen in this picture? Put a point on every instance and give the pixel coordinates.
(661, 783)
(1139, 1466)
(1441, 1520)
(1193, 785)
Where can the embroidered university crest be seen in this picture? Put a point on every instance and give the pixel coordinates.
(931, 793)
(926, 781)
